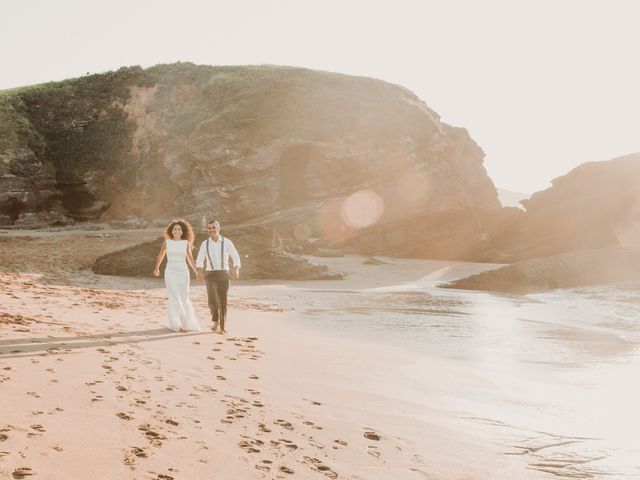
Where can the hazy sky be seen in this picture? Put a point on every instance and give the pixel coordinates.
(542, 86)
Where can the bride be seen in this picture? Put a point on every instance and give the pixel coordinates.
(177, 246)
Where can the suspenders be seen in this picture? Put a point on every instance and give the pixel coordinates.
(221, 254)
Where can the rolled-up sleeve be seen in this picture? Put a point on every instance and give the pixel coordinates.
(234, 254)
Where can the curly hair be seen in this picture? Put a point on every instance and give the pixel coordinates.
(187, 230)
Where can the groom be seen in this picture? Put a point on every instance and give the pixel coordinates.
(216, 251)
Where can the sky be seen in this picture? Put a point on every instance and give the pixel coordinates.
(542, 86)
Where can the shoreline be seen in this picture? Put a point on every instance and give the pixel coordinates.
(266, 399)
(84, 356)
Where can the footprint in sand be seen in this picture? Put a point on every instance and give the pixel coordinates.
(154, 437)
(139, 452)
(123, 416)
(250, 445)
(320, 467)
(131, 454)
(23, 472)
(372, 435)
(205, 389)
(263, 428)
(284, 424)
(373, 451)
(288, 443)
(312, 425)
(286, 470)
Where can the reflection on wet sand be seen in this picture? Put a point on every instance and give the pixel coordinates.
(558, 368)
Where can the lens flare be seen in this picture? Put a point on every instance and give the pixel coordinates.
(362, 209)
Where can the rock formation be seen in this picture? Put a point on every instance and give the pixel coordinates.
(362, 165)
(573, 269)
(584, 229)
(308, 153)
(262, 254)
(594, 205)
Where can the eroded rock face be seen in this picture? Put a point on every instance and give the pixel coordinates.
(240, 143)
(262, 255)
(594, 205)
(27, 180)
(573, 269)
(27, 190)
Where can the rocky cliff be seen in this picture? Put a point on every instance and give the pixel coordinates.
(584, 229)
(595, 204)
(312, 153)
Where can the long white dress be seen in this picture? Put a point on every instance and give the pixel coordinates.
(176, 278)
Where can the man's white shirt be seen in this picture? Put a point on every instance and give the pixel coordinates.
(215, 253)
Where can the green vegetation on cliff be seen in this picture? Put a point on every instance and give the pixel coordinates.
(242, 141)
(80, 122)
(16, 130)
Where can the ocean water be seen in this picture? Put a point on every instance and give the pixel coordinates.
(561, 370)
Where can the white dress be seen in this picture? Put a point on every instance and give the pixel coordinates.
(176, 278)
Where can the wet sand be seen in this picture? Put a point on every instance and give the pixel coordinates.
(93, 387)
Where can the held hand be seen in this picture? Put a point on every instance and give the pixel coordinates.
(156, 272)
(199, 275)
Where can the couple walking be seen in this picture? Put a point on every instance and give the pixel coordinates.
(211, 265)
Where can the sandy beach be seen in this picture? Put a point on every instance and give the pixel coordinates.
(93, 387)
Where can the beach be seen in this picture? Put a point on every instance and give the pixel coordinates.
(379, 376)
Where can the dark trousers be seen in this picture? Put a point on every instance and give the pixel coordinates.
(217, 288)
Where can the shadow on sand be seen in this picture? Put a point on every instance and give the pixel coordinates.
(24, 347)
